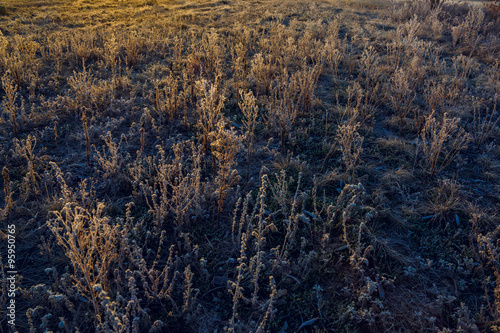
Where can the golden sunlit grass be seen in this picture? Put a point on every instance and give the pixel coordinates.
(251, 166)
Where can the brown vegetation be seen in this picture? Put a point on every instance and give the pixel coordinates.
(251, 166)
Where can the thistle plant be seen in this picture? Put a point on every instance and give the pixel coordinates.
(442, 142)
(176, 187)
(484, 122)
(369, 62)
(89, 240)
(261, 69)
(214, 52)
(133, 45)
(225, 145)
(84, 120)
(111, 52)
(305, 82)
(283, 107)
(270, 306)
(10, 99)
(167, 99)
(209, 110)
(401, 95)
(236, 288)
(25, 148)
(7, 194)
(110, 161)
(250, 111)
(81, 86)
(350, 142)
(261, 228)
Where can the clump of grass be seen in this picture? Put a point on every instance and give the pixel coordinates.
(445, 202)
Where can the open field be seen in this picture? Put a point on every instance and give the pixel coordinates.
(249, 166)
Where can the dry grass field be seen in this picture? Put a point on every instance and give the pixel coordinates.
(249, 166)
